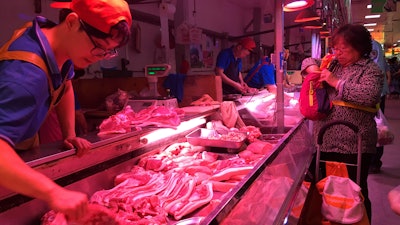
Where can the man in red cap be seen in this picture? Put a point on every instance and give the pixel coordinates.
(229, 66)
(36, 68)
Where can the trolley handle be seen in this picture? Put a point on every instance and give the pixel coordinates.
(336, 122)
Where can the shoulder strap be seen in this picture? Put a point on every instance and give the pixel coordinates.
(250, 76)
(26, 56)
(22, 55)
(354, 106)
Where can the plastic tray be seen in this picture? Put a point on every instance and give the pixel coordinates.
(206, 137)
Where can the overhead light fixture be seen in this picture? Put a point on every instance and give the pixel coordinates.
(372, 16)
(324, 31)
(369, 6)
(296, 5)
(313, 25)
(369, 24)
(370, 30)
(306, 15)
(325, 36)
(60, 4)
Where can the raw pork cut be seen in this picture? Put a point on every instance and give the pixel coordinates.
(96, 215)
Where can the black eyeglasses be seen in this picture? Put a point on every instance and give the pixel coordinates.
(96, 50)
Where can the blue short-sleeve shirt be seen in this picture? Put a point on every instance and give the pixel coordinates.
(264, 76)
(24, 89)
(226, 57)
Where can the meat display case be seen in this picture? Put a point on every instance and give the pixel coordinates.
(274, 191)
(282, 172)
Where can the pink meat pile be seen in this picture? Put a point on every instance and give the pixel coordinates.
(126, 119)
(253, 133)
(174, 183)
(95, 215)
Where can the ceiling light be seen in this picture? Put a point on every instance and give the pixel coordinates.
(369, 24)
(312, 25)
(296, 5)
(306, 15)
(372, 16)
(369, 6)
(370, 30)
(60, 4)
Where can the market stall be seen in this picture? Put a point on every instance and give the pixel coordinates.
(278, 174)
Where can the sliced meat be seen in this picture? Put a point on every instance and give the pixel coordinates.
(226, 174)
(223, 186)
(200, 196)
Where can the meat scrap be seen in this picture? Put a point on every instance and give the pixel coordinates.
(205, 100)
(126, 119)
(253, 132)
(119, 123)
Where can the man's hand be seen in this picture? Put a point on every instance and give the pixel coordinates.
(73, 204)
(239, 87)
(82, 145)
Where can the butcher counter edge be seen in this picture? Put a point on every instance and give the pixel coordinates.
(64, 167)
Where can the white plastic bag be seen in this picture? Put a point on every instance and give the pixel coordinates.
(341, 200)
(385, 136)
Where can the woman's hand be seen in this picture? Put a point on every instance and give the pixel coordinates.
(329, 78)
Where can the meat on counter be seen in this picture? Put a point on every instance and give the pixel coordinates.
(174, 183)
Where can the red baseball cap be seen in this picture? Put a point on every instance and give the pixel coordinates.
(102, 14)
(247, 43)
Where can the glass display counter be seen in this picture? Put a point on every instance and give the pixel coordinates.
(274, 192)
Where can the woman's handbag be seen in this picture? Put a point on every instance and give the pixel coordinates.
(314, 101)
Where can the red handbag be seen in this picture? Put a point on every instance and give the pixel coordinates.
(314, 102)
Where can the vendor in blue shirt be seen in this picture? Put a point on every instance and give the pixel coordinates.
(262, 75)
(229, 66)
(36, 68)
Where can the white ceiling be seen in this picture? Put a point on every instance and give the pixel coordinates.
(387, 31)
